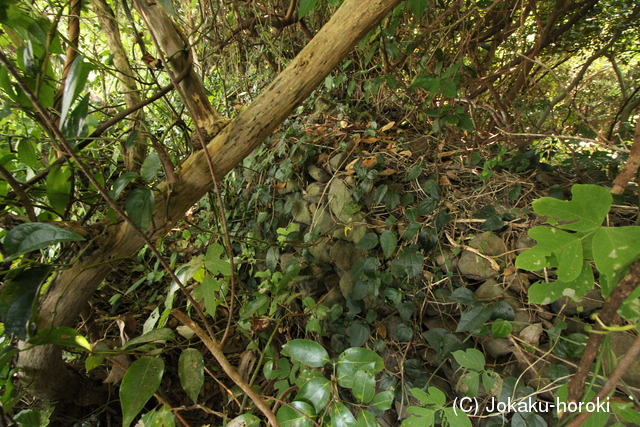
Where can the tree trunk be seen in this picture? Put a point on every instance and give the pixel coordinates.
(43, 371)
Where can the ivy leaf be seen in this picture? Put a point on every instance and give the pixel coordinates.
(354, 359)
(614, 248)
(586, 211)
(307, 352)
(566, 247)
(364, 386)
(472, 319)
(33, 236)
(315, 391)
(471, 359)
(546, 293)
(389, 242)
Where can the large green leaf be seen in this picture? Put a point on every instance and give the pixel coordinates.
(307, 352)
(191, 372)
(341, 416)
(566, 247)
(546, 293)
(457, 418)
(27, 153)
(474, 318)
(76, 124)
(150, 167)
(139, 207)
(59, 187)
(140, 382)
(316, 392)
(366, 419)
(586, 211)
(388, 242)
(471, 359)
(354, 359)
(121, 183)
(364, 386)
(614, 248)
(33, 236)
(19, 300)
(74, 83)
(296, 414)
(215, 260)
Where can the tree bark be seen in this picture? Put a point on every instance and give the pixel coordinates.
(43, 371)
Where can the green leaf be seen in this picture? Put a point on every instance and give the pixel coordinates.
(162, 417)
(341, 416)
(139, 207)
(150, 167)
(140, 382)
(354, 359)
(471, 359)
(155, 335)
(296, 414)
(614, 249)
(27, 153)
(546, 293)
(367, 242)
(474, 318)
(18, 300)
(59, 187)
(433, 397)
(307, 352)
(33, 236)
(75, 125)
(74, 83)
(191, 372)
(586, 211)
(64, 336)
(366, 419)
(121, 183)
(389, 242)
(566, 247)
(417, 7)
(316, 391)
(364, 386)
(216, 261)
(359, 334)
(459, 420)
(501, 328)
(383, 401)
(306, 6)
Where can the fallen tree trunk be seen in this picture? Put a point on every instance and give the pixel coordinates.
(43, 371)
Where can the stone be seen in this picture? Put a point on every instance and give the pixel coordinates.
(517, 283)
(321, 217)
(489, 244)
(591, 302)
(489, 290)
(524, 242)
(300, 210)
(320, 252)
(343, 255)
(620, 343)
(447, 260)
(346, 285)
(337, 161)
(318, 174)
(531, 334)
(339, 198)
(497, 347)
(314, 192)
(475, 267)
(289, 188)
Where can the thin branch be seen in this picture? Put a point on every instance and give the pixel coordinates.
(17, 188)
(217, 352)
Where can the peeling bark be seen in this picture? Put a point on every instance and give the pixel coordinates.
(71, 288)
